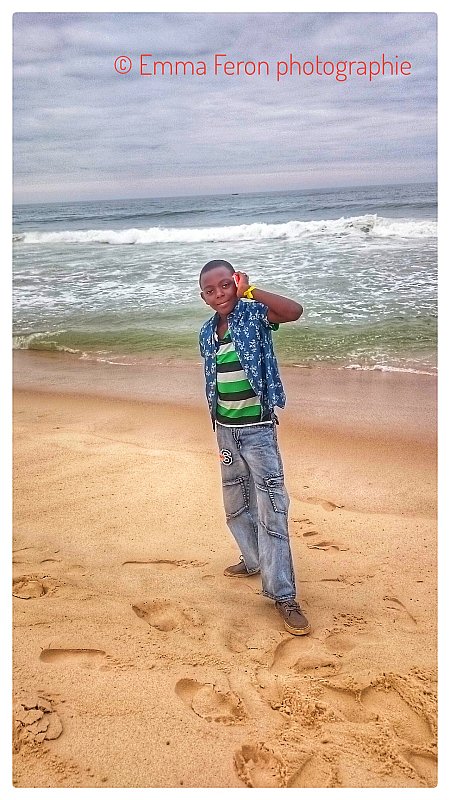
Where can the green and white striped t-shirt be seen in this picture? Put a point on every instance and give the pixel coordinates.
(237, 403)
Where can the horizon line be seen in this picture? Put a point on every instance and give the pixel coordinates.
(308, 190)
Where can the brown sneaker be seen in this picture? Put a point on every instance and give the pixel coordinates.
(294, 620)
(238, 570)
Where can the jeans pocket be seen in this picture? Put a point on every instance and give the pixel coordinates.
(278, 495)
(235, 496)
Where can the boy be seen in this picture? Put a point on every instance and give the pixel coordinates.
(243, 387)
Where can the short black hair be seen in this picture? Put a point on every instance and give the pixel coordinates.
(218, 262)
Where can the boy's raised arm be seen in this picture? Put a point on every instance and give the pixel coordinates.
(281, 309)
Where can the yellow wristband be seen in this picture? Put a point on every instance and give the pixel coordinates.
(249, 293)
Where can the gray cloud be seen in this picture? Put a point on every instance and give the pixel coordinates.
(82, 130)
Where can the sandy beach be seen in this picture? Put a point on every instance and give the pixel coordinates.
(138, 664)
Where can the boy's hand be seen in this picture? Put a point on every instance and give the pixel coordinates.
(243, 283)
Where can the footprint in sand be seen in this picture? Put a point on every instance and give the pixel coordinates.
(235, 640)
(74, 570)
(316, 773)
(211, 580)
(385, 703)
(166, 616)
(259, 768)
(289, 651)
(209, 703)
(344, 703)
(164, 564)
(30, 555)
(27, 587)
(347, 580)
(300, 656)
(349, 632)
(34, 721)
(339, 643)
(328, 505)
(82, 657)
(238, 639)
(394, 604)
(238, 586)
(424, 763)
(302, 522)
(327, 546)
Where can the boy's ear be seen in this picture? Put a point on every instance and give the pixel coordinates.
(202, 296)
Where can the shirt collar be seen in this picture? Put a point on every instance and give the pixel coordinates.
(233, 315)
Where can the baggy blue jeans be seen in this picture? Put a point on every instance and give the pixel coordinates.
(256, 504)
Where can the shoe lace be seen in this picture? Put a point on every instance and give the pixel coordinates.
(290, 605)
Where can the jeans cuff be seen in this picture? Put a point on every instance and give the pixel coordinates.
(278, 599)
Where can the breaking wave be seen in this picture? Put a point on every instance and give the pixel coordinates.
(368, 225)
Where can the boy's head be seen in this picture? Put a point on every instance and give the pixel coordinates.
(217, 285)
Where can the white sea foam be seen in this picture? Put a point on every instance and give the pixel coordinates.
(387, 368)
(98, 360)
(366, 226)
(26, 342)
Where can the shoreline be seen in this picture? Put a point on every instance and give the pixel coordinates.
(325, 398)
(408, 363)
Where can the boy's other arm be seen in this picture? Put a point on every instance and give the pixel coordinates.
(281, 309)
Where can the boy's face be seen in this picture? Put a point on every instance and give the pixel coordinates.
(219, 290)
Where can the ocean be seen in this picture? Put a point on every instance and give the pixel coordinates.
(117, 280)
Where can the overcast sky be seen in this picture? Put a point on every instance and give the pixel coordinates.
(83, 131)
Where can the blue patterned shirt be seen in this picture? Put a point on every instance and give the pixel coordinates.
(251, 332)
